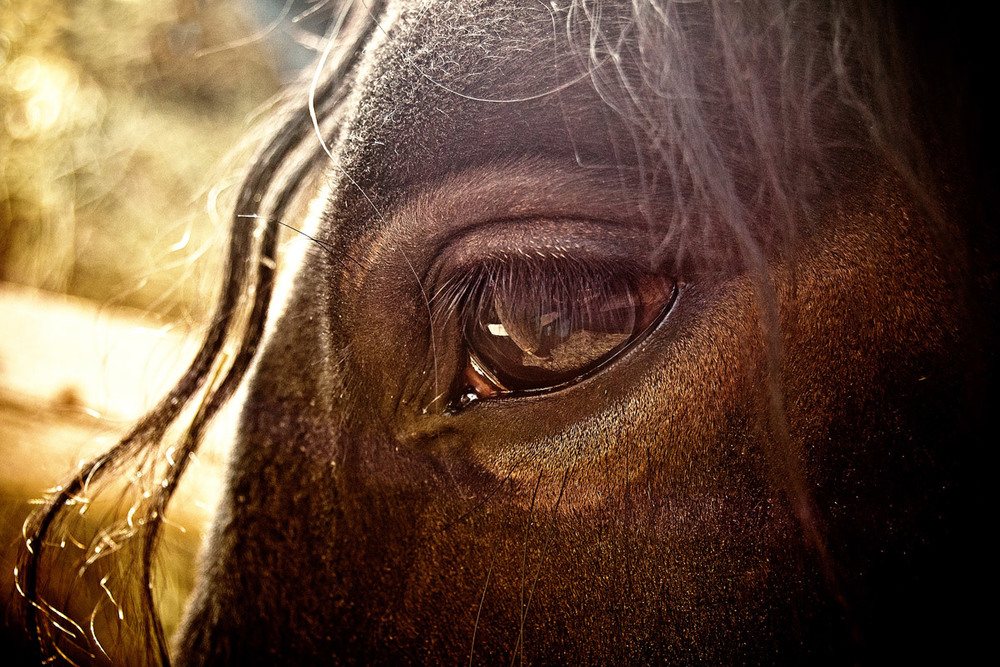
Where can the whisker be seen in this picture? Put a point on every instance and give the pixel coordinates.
(544, 554)
(430, 317)
(322, 244)
(489, 575)
(524, 569)
(480, 504)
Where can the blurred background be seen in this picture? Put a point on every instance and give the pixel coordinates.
(123, 129)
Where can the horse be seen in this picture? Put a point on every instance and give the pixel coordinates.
(617, 332)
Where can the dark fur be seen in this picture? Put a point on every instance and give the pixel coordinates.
(775, 475)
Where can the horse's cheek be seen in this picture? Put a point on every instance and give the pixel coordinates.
(874, 344)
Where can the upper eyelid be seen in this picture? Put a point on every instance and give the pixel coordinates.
(464, 281)
(565, 240)
(429, 216)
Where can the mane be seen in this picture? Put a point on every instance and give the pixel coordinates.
(844, 56)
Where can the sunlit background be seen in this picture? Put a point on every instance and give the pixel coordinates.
(123, 129)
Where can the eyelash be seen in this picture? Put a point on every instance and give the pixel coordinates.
(607, 307)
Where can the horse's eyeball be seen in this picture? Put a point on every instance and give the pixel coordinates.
(531, 328)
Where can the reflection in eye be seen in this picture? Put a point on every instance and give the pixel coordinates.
(538, 325)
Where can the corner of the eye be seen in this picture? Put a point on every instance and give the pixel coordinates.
(462, 401)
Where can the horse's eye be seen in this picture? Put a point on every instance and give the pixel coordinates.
(532, 328)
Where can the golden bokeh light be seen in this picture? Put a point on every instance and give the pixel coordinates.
(121, 130)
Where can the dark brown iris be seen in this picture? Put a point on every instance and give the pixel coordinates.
(532, 330)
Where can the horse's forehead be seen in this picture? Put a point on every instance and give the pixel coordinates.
(451, 86)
